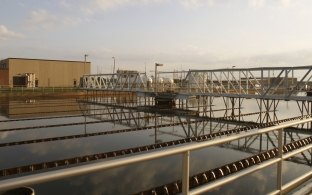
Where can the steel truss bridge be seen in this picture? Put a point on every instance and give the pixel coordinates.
(267, 86)
(283, 83)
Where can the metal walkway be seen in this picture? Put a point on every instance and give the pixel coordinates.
(280, 83)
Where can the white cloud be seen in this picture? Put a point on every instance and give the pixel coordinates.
(107, 4)
(289, 58)
(43, 19)
(263, 3)
(194, 4)
(257, 3)
(285, 3)
(65, 3)
(72, 20)
(190, 4)
(94, 6)
(91, 7)
(194, 50)
(6, 34)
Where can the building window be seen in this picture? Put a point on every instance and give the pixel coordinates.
(3, 66)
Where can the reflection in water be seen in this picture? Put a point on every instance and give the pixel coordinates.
(14, 109)
(126, 115)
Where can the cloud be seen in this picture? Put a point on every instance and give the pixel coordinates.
(72, 20)
(285, 3)
(289, 58)
(194, 50)
(107, 4)
(257, 3)
(263, 3)
(94, 6)
(6, 34)
(43, 19)
(190, 4)
(194, 4)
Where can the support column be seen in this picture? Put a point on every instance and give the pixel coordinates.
(186, 173)
(232, 108)
(280, 163)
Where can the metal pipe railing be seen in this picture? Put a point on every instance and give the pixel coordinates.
(225, 180)
(185, 150)
(294, 183)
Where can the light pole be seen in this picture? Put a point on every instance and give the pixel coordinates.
(232, 73)
(85, 61)
(156, 64)
(114, 64)
(84, 72)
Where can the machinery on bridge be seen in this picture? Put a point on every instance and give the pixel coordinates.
(287, 83)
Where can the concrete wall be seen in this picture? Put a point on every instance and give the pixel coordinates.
(4, 77)
(50, 73)
(4, 73)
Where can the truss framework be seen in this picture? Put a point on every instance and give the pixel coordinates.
(121, 81)
(265, 82)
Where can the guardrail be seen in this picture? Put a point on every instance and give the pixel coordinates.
(185, 151)
(23, 89)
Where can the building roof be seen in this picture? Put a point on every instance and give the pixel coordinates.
(44, 60)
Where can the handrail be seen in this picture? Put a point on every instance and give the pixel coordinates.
(285, 83)
(185, 150)
(23, 89)
(233, 177)
(293, 184)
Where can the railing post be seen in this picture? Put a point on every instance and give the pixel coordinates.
(186, 173)
(279, 164)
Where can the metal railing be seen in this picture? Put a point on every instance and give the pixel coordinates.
(274, 82)
(185, 151)
(23, 89)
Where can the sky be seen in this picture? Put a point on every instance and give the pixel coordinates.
(181, 34)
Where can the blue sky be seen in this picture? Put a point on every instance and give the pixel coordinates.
(192, 34)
